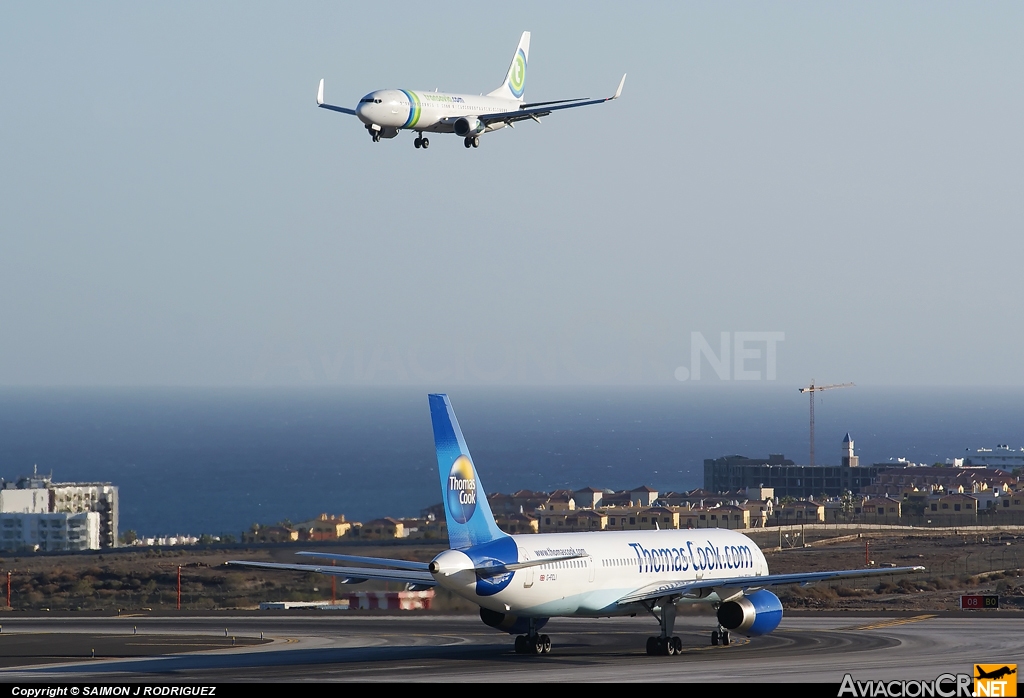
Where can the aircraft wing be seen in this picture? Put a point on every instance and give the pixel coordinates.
(487, 570)
(390, 570)
(539, 109)
(320, 102)
(379, 561)
(349, 575)
(660, 590)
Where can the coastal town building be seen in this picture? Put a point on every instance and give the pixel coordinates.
(788, 479)
(378, 529)
(589, 497)
(270, 534)
(802, 511)
(517, 523)
(50, 532)
(899, 481)
(324, 527)
(36, 495)
(1002, 457)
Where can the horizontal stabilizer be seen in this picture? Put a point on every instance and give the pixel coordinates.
(380, 561)
(350, 575)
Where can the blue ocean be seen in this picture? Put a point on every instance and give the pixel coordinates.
(216, 461)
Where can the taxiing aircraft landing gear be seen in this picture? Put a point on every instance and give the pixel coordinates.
(532, 642)
(421, 142)
(720, 636)
(665, 644)
(539, 644)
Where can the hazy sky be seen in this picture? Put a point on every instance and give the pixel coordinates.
(176, 211)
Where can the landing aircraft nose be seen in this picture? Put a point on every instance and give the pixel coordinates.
(368, 107)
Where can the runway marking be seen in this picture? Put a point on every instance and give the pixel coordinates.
(889, 623)
(382, 668)
(712, 648)
(173, 644)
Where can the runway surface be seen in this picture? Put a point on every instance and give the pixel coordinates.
(342, 647)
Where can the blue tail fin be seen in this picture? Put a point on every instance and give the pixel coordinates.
(470, 521)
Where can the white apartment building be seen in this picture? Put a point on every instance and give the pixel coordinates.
(38, 494)
(50, 532)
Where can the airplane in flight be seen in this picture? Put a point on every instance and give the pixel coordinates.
(387, 112)
(521, 581)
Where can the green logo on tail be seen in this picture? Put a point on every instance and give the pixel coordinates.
(517, 75)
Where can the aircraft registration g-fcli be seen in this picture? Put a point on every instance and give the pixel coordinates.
(386, 112)
(521, 581)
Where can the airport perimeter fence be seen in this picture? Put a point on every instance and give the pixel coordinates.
(795, 535)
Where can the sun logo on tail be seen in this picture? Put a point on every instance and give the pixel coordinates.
(462, 490)
(517, 74)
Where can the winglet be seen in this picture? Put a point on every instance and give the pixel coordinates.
(618, 92)
(320, 92)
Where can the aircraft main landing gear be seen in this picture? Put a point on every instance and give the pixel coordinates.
(472, 142)
(532, 642)
(666, 644)
(720, 636)
(536, 644)
(421, 142)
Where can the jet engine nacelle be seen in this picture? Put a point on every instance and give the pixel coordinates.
(755, 614)
(506, 622)
(469, 126)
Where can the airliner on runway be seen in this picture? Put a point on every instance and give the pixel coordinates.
(521, 581)
(386, 112)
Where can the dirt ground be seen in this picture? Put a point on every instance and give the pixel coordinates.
(132, 579)
(955, 565)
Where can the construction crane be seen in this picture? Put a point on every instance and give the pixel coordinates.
(812, 389)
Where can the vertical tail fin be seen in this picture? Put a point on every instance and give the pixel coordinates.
(515, 80)
(469, 517)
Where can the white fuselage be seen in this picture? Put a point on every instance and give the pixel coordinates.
(615, 564)
(437, 112)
